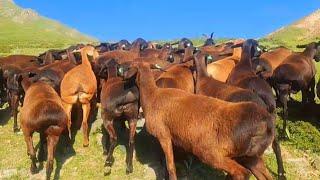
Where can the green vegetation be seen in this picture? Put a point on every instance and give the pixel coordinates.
(23, 31)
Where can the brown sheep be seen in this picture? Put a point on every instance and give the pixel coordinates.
(20, 61)
(79, 85)
(221, 69)
(42, 112)
(269, 61)
(243, 75)
(123, 55)
(156, 53)
(208, 86)
(177, 76)
(119, 102)
(296, 73)
(228, 136)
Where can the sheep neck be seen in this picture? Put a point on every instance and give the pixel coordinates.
(201, 68)
(188, 54)
(310, 51)
(85, 60)
(246, 58)
(147, 86)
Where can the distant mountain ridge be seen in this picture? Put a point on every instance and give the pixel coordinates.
(25, 31)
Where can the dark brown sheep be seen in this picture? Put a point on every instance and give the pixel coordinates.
(119, 102)
(269, 61)
(242, 75)
(296, 73)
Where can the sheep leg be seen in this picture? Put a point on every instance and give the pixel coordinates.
(85, 113)
(31, 153)
(132, 126)
(14, 98)
(311, 94)
(277, 151)
(304, 96)
(166, 145)
(41, 148)
(52, 143)
(284, 100)
(256, 166)
(234, 169)
(113, 141)
(68, 109)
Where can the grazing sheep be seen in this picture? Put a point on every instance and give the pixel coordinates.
(228, 136)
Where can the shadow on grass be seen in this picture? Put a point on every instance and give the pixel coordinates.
(5, 115)
(308, 112)
(148, 151)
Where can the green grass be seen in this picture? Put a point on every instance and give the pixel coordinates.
(22, 33)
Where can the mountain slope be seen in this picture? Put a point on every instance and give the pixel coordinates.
(302, 31)
(25, 31)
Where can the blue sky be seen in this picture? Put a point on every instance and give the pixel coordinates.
(169, 19)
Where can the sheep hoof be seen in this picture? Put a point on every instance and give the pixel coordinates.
(129, 169)
(107, 170)
(16, 129)
(33, 169)
(282, 176)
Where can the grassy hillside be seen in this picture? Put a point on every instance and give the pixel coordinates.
(302, 31)
(25, 31)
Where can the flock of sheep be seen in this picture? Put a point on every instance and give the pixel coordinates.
(215, 101)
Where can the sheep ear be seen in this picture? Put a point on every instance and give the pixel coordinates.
(48, 58)
(302, 46)
(71, 57)
(211, 36)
